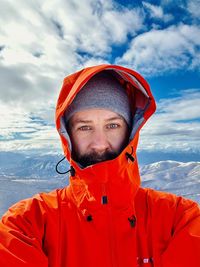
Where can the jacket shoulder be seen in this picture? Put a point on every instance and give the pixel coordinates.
(26, 224)
(167, 213)
(42, 203)
(157, 199)
(172, 224)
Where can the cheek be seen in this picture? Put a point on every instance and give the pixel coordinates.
(79, 144)
(118, 139)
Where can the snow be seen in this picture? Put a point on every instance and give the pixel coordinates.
(22, 176)
(175, 177)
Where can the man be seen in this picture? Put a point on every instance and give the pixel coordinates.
(103, 218)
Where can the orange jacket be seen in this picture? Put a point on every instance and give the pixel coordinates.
(103, 218)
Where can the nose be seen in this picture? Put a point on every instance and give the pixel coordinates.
(99, 141)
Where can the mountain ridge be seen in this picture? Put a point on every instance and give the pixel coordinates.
(25, 176)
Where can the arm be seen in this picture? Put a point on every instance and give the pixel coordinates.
(21, 233)
(184, 247)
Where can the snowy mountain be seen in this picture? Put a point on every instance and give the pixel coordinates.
(172, 176)
(22, 175)
(20, 165)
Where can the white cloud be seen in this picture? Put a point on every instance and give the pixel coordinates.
(158, 51)
(22, 130)
(156, 12)
(44, 41)
(175, 126)
(92, 26)
(193, 8)
(40, 43)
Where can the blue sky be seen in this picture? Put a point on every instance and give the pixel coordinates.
(43, 41)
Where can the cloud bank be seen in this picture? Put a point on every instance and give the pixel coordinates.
(43, 41)
(175, 126)
(165, 50)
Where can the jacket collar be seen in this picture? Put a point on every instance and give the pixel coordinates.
(115, 181)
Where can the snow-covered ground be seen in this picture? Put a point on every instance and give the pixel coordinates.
(24, 176)
(172, 176)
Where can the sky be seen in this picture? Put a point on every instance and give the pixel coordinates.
(41, 42)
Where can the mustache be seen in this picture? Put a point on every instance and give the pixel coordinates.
(95, 157)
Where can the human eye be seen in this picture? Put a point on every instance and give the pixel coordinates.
(84, 128)
(113, 126)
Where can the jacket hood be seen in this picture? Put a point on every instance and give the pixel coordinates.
(141, 99)
(142, 105)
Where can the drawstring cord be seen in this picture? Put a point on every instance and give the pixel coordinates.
(89, 217)
(130, 155)
(71, 170)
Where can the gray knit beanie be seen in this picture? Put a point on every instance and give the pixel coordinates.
(102, 91)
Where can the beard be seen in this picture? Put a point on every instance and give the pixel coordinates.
(95, 157)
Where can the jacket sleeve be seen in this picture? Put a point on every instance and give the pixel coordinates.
(184, 247)
(21, 233)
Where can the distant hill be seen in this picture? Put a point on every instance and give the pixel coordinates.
(172, 176)
(22, 176)
(21, 165)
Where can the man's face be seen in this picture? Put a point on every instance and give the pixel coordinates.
(97, 135)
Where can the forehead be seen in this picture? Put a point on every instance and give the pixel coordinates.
(94, 115)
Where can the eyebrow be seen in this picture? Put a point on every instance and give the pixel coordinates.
(82, 121)
(89, 121)
(115, 118)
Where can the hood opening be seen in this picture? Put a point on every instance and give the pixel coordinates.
(140, 100)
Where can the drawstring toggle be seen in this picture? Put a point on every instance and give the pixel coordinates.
(89, 218)
(132, 221)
